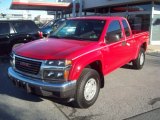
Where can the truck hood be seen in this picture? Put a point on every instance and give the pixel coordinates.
(48, 49)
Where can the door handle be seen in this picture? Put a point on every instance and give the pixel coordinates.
(123, 43)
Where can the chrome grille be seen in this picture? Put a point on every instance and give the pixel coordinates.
(27, 65)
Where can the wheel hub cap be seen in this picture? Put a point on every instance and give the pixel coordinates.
(90, 89)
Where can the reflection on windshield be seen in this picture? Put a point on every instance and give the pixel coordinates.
(80, 30)
(50, 23)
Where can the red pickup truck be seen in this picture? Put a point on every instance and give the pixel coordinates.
(72, 62)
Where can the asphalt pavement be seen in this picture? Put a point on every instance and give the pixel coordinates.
(128, 94)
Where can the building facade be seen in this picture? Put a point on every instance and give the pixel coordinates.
(144, 15)
(15, 16)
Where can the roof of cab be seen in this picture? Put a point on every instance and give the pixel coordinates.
(98, 17)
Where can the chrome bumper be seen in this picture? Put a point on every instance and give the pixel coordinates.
(62, 90)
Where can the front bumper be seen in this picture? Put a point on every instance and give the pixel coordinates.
(61, 90)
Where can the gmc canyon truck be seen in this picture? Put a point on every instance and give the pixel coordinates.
(72, 62)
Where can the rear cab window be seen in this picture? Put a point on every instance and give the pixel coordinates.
(4, 28)
(126, 28)
(113, 29)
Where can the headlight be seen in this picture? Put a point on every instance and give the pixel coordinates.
(56, 69)
(51, 74)
(11, 54)
(58, 63)
(12, 59)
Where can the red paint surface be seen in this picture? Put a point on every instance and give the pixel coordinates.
(111, 56)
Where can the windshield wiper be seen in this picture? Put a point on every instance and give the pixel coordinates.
(54, 36)
(66, 37)
(72, 37)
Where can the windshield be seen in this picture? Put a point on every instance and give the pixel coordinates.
(80, 30)
(50, 23)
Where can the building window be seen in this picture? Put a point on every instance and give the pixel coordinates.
(157, 6)
(156, 27)
(103, 10)
(132, 8)
(139, 22)
(116, 9)
(140, 7)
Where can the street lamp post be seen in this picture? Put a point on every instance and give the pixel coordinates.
(80, 7)
(74, 8)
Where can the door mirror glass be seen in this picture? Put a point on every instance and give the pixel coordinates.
(112, 38)
(114, 32)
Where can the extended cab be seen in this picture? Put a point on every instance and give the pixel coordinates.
(72, 62)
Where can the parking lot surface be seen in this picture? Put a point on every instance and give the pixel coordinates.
(128, 94)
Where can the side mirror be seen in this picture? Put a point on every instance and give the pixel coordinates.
(110, 38)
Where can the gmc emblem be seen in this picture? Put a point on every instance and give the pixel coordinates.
(24, 64)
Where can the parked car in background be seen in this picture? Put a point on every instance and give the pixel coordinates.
(51, 26)
(14, 32)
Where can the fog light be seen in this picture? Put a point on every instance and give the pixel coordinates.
(50, 74)
(59, 75)
(53, 75)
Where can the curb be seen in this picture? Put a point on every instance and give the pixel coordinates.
(153, 52)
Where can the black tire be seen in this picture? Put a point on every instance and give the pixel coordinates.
(86, 76)
(139, 62)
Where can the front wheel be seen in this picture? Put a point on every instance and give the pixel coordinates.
(87, 88)
(139, 62)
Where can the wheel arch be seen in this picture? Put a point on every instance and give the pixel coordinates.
(144, 46)
(97, 65)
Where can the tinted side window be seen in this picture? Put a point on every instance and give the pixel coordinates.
(114, 29)
(25, 27)
(4, 28)
(18, 26)
(114, 26)
(126, 27)
(31, 26)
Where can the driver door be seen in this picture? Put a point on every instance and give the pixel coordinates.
(114, 50)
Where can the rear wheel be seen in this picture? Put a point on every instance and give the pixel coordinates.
(87, 88)
(139, 62)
